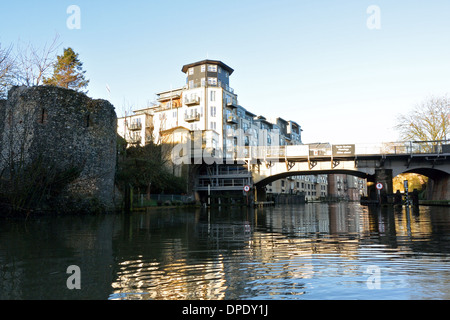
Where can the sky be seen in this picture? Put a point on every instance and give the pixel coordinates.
(343, 70)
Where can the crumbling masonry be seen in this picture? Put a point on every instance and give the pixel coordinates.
(63, 127)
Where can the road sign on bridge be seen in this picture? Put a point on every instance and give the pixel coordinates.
(343, 149)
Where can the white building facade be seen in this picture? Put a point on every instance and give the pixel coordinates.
(208, 104)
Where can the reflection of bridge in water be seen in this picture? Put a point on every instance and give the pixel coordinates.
(375, 162)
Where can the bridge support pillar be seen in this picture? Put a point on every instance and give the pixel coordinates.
(384, 176)
(440, 188)
(260, 194)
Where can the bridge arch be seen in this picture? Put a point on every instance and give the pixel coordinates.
(265, 181)
(432, 173)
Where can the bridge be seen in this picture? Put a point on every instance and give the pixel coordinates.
(378, 163)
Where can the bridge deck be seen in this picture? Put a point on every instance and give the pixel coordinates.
(328, 152)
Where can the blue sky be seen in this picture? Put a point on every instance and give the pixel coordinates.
(315, 62)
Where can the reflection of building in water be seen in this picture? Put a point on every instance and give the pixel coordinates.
(167, 266)
(318, 218)
(178, 280)
(235, 255)
(406, 223)
(347, 187)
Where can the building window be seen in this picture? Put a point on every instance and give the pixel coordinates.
(191, 71)
(212, 68)
(213, 125)
(203, 80)
(203, 67)
(213, 96)
(212, 81)
(213, 111)
(191, 84)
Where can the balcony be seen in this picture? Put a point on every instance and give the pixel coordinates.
(134, 139)
(168, 96)
(232, 118)
(249, 132)
(192, 117)
(230, 133)
(192, 101)
(231, 104)
(135, 126)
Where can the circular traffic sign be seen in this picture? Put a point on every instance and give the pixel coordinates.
(246, 188)
(379, 186)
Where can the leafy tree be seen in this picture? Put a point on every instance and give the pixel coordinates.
(68, 72)
(145, 169)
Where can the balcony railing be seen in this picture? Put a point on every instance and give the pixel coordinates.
(192, 101)
(192, 117)
(134, 139)
(232, 118)
(135, 126)
(168, 96)
(231, 104)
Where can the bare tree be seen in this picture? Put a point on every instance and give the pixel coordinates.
(33, 64)
(427, 121)
(6, 70)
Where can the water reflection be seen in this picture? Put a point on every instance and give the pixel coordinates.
(313, 251)
(316, 250)
(35, 254)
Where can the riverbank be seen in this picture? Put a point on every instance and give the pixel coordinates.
(444, 203)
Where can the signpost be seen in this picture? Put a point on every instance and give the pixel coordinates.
(405, 184)
(379, 186)
(247, 189)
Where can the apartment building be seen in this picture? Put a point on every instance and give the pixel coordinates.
(136, 129)
(207, 104)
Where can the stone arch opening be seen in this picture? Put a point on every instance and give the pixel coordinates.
(431, 173)
(338, 185)
(435, 186)
(264, 182)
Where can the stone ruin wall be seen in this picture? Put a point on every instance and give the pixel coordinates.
(64, 127)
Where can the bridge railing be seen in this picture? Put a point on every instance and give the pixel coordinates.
(408, 147)
(329, 150)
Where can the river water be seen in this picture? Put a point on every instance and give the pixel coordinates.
(312, 251)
